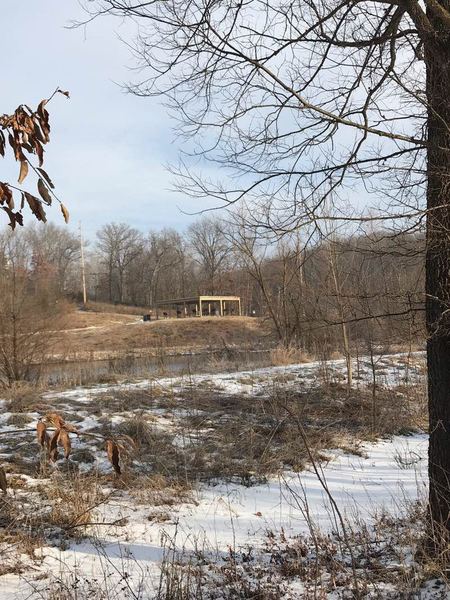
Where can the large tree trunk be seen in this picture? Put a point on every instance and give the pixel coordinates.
(438, 277)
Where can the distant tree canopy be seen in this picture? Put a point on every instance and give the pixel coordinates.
(26, 132)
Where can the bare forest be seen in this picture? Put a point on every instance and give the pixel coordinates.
(370, 283)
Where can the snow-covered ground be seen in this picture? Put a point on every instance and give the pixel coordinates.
(390, 370)
(388, 475)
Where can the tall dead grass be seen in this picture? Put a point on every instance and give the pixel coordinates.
(282, 356)
(212, 435)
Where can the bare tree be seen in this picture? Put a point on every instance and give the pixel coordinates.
(58, 247)
(172, 267)
(211, 249)
(24, 313)
(252, 255)
(338, 284)
(29, 312)
(119, 245)
(299, 99)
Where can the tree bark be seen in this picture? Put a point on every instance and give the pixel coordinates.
(342, 316)
(437, 56)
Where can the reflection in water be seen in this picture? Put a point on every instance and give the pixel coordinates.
(105, 371)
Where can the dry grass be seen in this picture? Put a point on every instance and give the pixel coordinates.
(59, 509)
(387, 560)
(19, 419)
(203, 434)
(191, 576)
(208, 435)
(239, 439)
(158, 491)
(76, 319)
(390, 559)
(99, 333)
(282, 356)
(198, 433)
(23, 397)
(72, 498)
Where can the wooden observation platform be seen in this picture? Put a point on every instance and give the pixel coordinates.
(204, 306)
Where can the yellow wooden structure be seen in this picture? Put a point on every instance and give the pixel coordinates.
(203, 306)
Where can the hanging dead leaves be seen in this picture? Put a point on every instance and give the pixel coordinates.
(27, 132)
(113, 452)
(60, 438)
(42, 434)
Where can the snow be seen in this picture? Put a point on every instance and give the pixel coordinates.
(234, 515)
(391, 370)
(391, 474)
(388, 475)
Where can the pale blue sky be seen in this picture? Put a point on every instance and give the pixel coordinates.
(108, 149)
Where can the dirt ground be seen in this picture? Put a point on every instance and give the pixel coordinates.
(87, 334)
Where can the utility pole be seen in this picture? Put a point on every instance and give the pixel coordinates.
(83, 270)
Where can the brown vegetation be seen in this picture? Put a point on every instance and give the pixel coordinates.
(101, 335)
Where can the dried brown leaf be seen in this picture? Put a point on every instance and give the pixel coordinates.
(53, 446)
(23, 171)
(43, 191)
(113, 453)
(55, 420)
(39, 136)
(64, 441)
(41, 430)
(14, 217)
(46, 177)
(3, 482)
(65, 212)
(41, 111)
(6, 195)
(42, 116)
(15, 145)
(39, 151)
(58, 422)
(36, 207)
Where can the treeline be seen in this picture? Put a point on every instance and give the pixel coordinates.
(321, 296)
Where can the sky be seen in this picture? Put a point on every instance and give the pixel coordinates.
(109, 150)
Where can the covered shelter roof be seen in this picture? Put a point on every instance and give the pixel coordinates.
(197, 299)
(198, 302)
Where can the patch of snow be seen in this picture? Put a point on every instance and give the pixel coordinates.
(390, 371)
(234, 516)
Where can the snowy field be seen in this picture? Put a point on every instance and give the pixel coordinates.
(237, 517)
(390, 370)
(130, 538)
